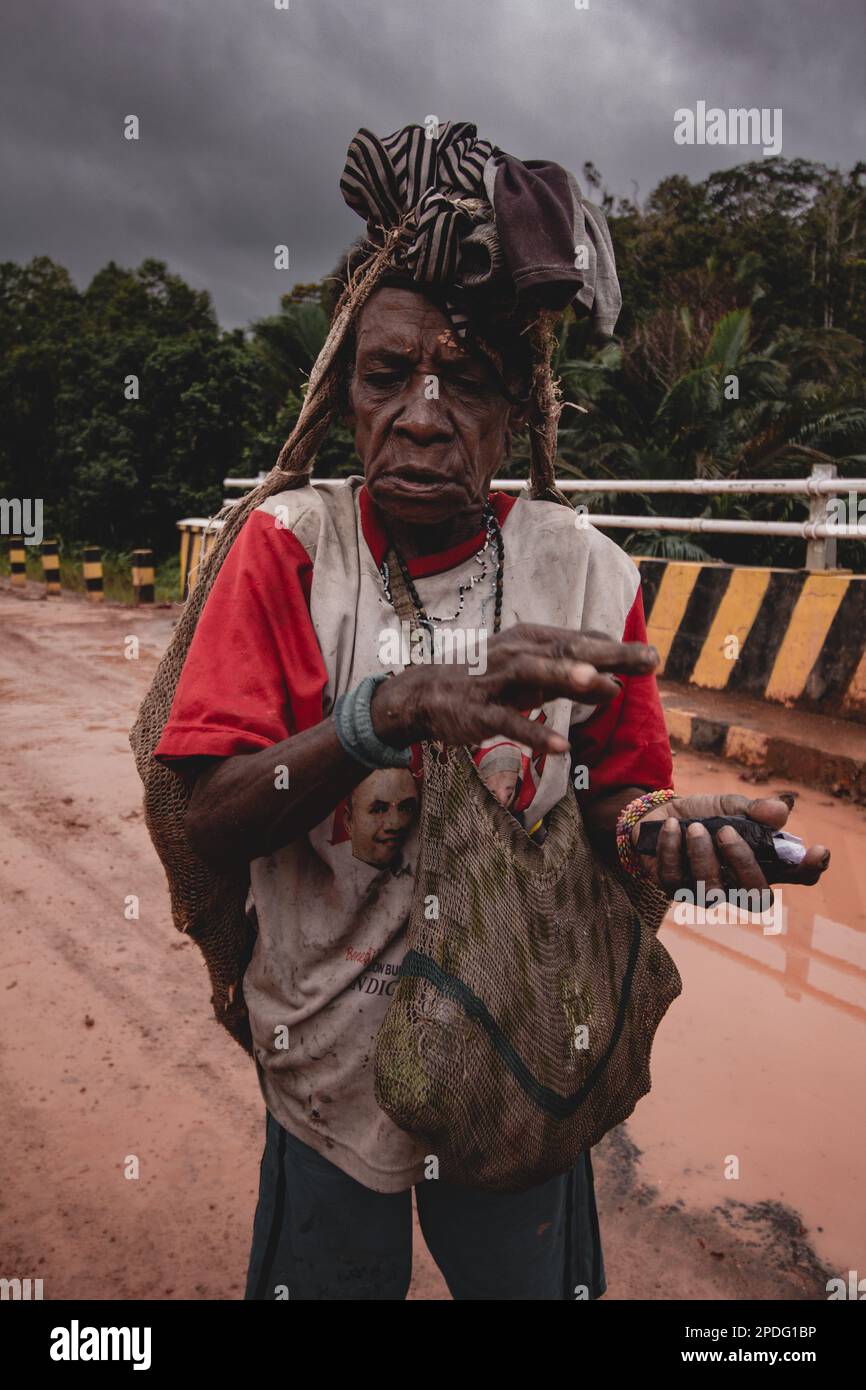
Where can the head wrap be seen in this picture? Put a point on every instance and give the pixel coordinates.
(478, 224)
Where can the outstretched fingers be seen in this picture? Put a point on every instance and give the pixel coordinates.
(605, 654)
(548, 678)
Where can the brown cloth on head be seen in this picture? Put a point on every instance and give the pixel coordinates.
(543, 224)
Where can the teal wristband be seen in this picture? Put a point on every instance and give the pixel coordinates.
(354, 725)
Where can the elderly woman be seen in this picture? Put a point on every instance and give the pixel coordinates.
(283, 710)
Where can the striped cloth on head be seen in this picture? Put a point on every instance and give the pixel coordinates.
(424, 180)
(477, 218)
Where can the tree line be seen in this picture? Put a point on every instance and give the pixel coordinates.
(738, 354)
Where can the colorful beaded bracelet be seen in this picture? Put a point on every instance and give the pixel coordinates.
(629, 817)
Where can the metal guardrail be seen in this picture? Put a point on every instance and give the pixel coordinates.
(819, 532)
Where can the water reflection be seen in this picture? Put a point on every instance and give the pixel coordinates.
(812, 956)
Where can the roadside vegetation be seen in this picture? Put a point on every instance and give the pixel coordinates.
(755, 276)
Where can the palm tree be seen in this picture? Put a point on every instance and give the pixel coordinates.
(728, 411)
(288, 343)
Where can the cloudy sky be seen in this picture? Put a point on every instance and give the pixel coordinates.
(246, 111)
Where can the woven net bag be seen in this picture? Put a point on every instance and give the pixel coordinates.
(521, 1026)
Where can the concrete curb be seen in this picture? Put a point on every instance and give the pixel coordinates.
(794, 758)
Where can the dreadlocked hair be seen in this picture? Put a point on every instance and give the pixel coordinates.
(545, 410)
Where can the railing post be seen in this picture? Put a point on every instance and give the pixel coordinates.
(821, 550)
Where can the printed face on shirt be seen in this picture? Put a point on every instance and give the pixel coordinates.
(380, 814)
(509, 770)
(503, 785)
(431, 424)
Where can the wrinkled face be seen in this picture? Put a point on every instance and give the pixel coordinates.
(431, 425)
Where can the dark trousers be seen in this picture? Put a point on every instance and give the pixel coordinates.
(319, 1234)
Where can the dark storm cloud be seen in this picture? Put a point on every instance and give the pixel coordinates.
(246, 111)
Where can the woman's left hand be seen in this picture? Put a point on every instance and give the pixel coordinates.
(706, 856)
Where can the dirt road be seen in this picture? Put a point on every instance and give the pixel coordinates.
(110, 1053)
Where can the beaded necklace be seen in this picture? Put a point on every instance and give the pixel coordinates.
(492, 532)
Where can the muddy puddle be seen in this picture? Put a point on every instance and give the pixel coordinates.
(758, 1092)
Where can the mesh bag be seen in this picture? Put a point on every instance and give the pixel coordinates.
(532, 987)
(521, 1026)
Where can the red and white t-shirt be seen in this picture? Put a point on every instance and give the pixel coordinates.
(297, 616)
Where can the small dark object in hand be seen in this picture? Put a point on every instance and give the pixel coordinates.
(778, 853)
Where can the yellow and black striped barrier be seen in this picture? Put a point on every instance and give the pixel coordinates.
(92, 566)
(794, 637)
(197, 535)
(51, 567)
(17, 562)
(143, 579)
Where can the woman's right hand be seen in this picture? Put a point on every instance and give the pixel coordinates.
(527, 665)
